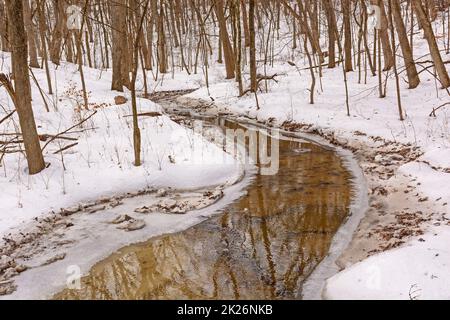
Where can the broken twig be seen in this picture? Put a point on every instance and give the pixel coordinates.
(66, 148)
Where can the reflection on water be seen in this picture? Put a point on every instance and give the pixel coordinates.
(262, 247)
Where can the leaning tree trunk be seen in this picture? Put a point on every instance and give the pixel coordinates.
(384, 36)
(413, 77)
(21, 95)
(434, 49)
(227, 49)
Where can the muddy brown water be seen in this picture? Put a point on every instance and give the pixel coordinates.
(263, 246)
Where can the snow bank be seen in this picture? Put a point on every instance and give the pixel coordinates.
(93, 238)
(419, 270)
(432, 183)
(102, 162)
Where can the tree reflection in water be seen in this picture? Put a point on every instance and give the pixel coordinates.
(262, 247)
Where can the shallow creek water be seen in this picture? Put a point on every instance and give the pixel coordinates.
(264, 246)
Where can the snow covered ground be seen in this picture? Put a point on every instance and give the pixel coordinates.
(49, 216)
(413, 263)
(418, 270)
(73, 244)
(102, 162)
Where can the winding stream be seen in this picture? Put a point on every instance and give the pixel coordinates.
(263, 246)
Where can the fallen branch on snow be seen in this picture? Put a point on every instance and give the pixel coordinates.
(66, 148)
(67, 130)
(145, 114)
(45, 137)
(433, 113)
(261, 78)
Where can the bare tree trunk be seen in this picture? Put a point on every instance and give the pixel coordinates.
(226, 45)
(384, 36)
(32, 51)
(331, 20)
(22, 97)
(346, 9)
(118, 20)
(42, 29)
(162, 52)
(305, 26)
(251, 23)
(238, 44)
(245, 23)
(434, 49)
(397, 81)
(311, 69)
(136, 130)
(150, 29)
(312, 15)
(105, 33)
(4, 28)
(372, 64)
(413, 77)
(80, 55)
(55, 50)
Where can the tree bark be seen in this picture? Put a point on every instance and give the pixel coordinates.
(55, 49)
(226, 45)
(22, 97)
(119, 44)
(245, 23)
(331, 20)
(42, 30)
(4, 28)
(162, 51)
(434, 49)
(135, 65)
(251, 23)
(384, 36)
(32, 50)
(346, 4)
(413, 77)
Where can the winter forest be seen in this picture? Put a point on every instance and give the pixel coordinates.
(224, 149)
